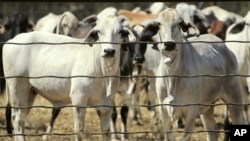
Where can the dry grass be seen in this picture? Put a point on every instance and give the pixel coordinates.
(38, 119)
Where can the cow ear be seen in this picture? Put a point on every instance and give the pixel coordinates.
(150, 30)
(92, 37)
(127, 34)
(238, 27)
(184, 26)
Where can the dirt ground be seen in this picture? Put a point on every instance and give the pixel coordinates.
(38, 119)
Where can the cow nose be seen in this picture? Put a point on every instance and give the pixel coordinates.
(109, 52)
(169, 46)
(138, 59)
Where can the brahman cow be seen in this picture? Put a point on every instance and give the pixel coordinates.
(60, 24)
(179, 57)
(238, 32)
(83, 68)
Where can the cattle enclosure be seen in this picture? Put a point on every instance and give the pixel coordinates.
(39, 117)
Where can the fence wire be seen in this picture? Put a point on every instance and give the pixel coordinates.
(134, 76)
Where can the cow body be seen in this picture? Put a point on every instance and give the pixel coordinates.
(66, 61)
(193, 59)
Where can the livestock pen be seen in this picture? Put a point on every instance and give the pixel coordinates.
(40, 114)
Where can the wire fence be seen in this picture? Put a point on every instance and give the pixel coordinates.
(134, 76)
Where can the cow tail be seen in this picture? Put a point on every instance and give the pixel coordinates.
(8, 115)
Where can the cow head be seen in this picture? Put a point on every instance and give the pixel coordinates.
(110, 31)
(67, 23)
(191, 15)
(171, 33)
(145, 32)
(167, 29)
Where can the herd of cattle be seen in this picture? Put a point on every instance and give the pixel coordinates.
(177, 42)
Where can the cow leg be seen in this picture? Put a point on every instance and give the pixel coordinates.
(136, 114)
(114, 136)
(209, 124)
(124, 116)
(166, 123)
(22, 97)
(190, 121)
(152, 98)
(55, 113)
(236, 95)
(105, 118)
(79, 117)
(78, 100)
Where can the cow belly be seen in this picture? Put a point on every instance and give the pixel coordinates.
(53, 89)
(57, 90)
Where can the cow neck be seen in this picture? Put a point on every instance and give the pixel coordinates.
(171, 68)
(97, 60)
(109, 67)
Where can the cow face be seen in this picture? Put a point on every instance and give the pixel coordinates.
(170, 33)
(190, 14)
(144, 32)
(109, 31)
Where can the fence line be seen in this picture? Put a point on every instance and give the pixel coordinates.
(132, 105)
(141, 42)
(128, 133)
(128, 76)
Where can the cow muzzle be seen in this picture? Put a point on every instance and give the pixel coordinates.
(138, 60)
(109, 53)
(169, 46)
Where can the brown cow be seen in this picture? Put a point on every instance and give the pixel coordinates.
(136, 18)
(218, 28)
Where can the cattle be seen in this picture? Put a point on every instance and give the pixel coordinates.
(216, 13)
(151, 61)
(239, 31)
(125, 69)
(60, 24)
(179, 56)
(93, 60)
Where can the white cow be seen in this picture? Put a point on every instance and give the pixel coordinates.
(215, 13)
(60, 24)
(240, 31)
(66, 60)
(193, 59)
